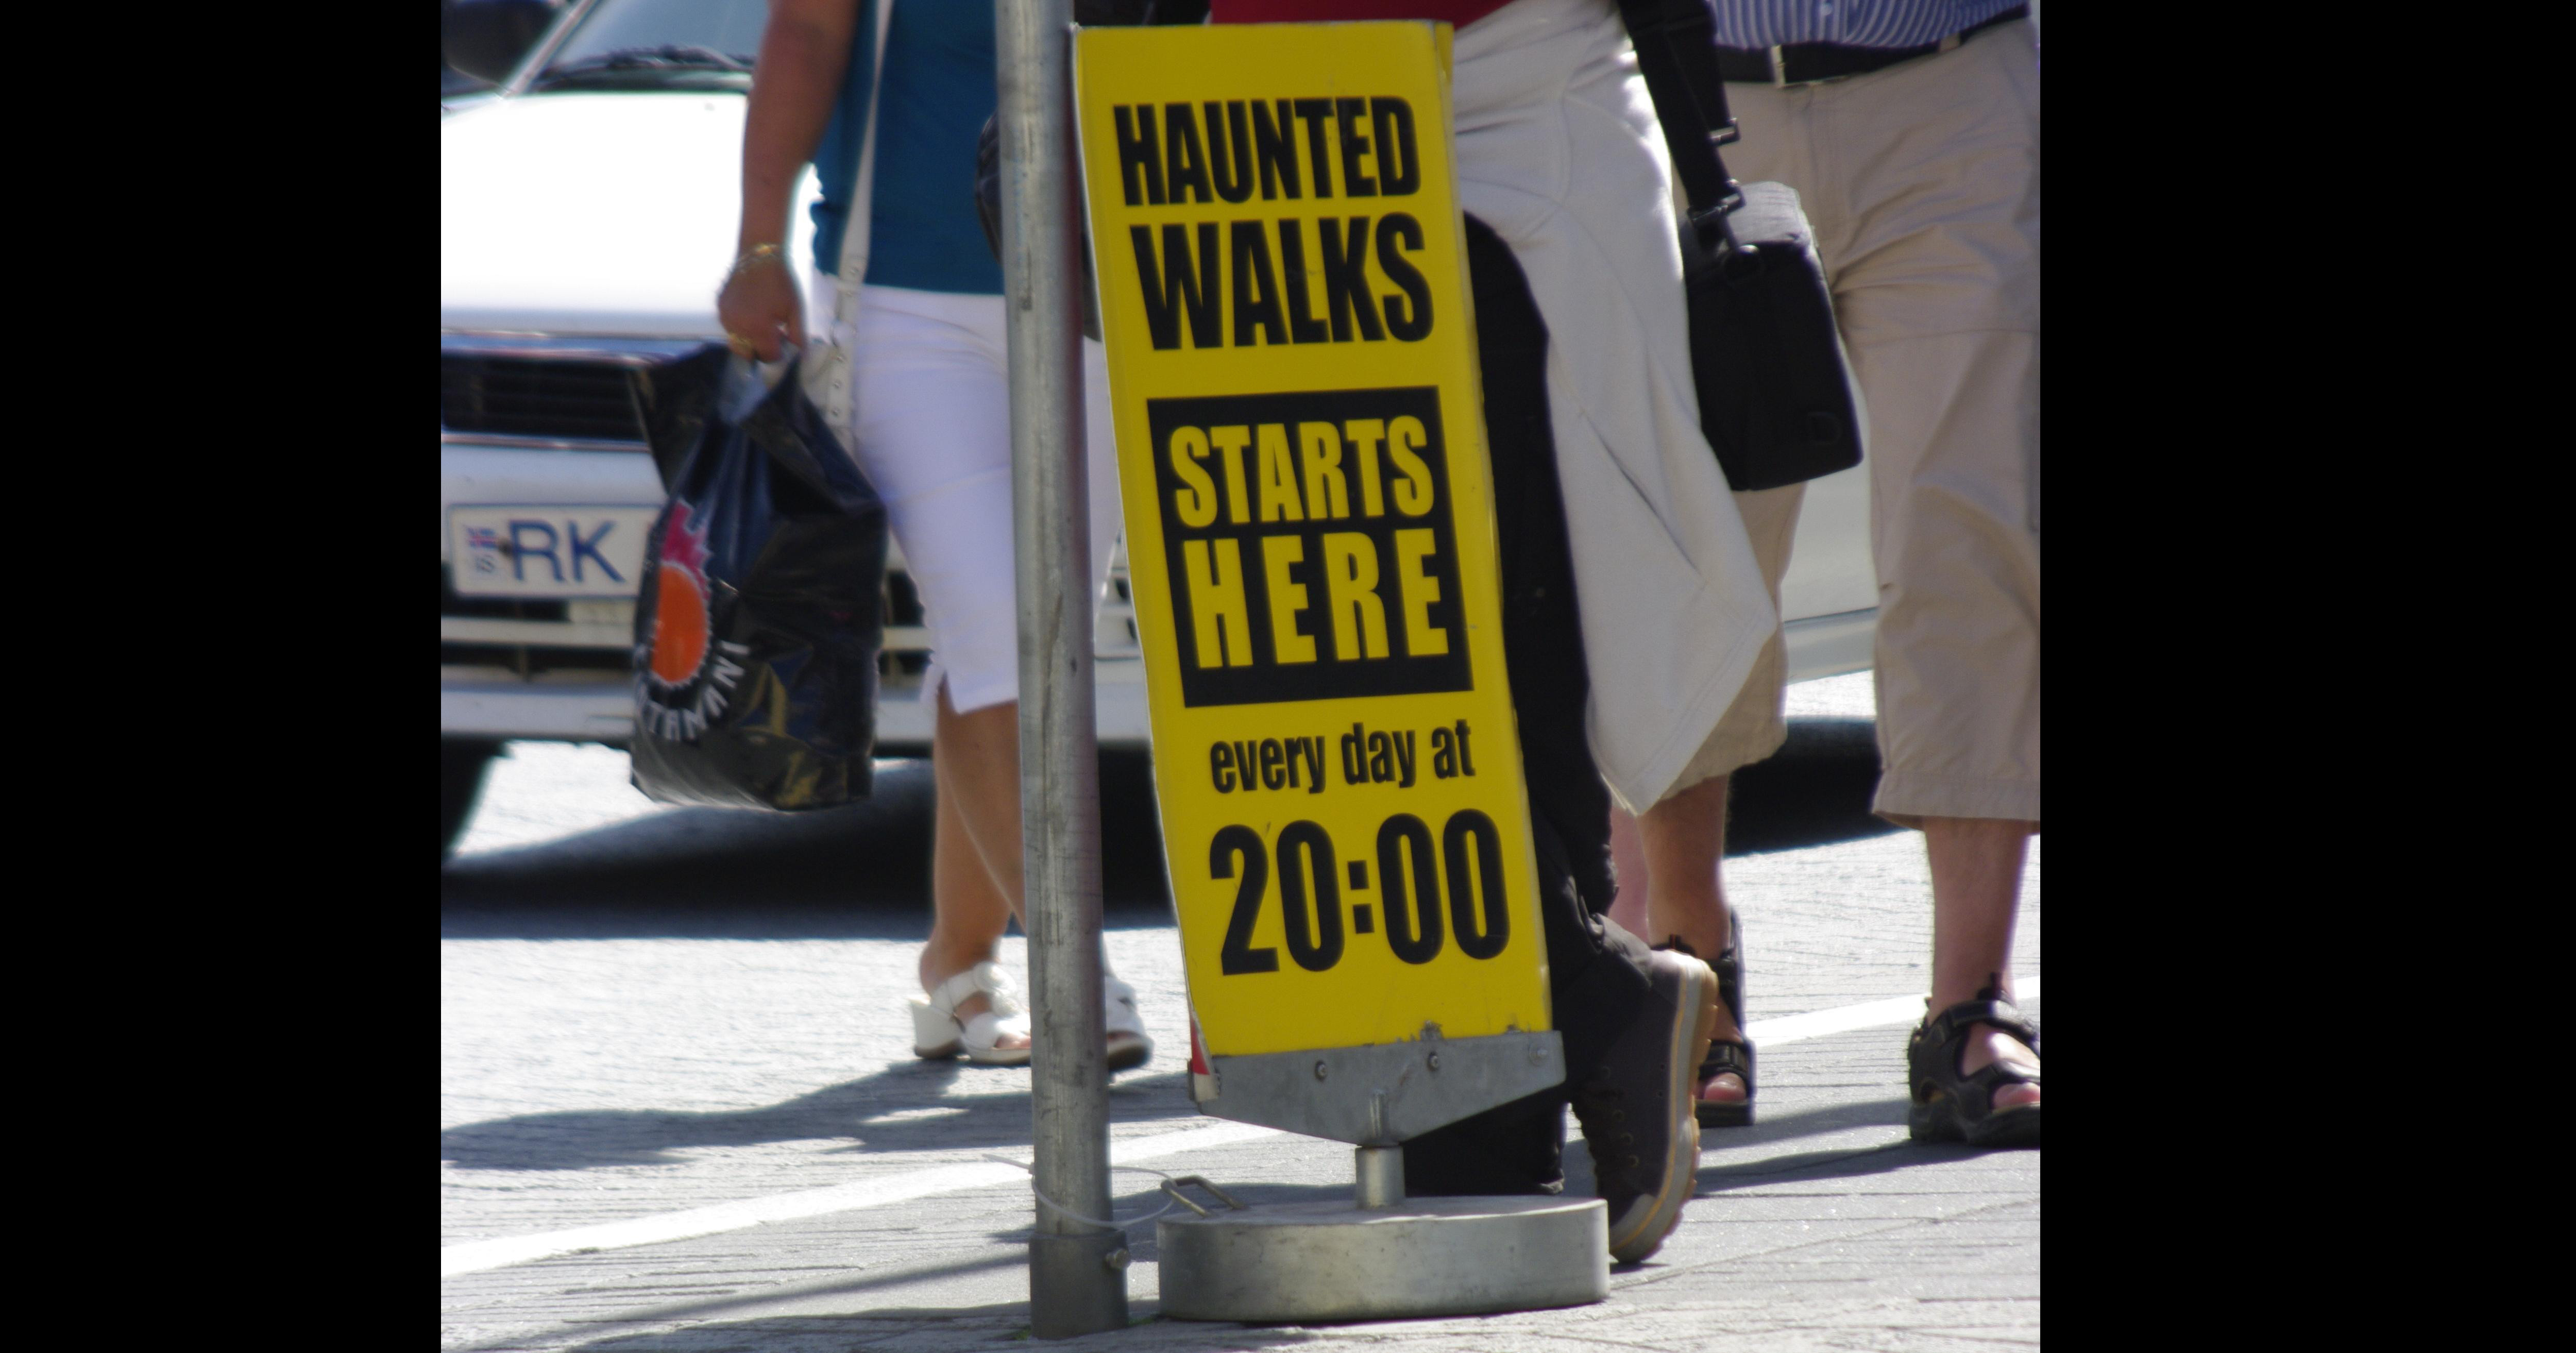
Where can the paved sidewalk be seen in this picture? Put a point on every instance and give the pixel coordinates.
(591, 1081)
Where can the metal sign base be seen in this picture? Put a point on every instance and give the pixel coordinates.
(1382, 1093)
(1304, 1262)
(1381, 1257)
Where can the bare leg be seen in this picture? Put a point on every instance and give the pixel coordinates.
(981, 754)
(1628, 864)
(1976, 889)
(1682, 839)
(970, 904)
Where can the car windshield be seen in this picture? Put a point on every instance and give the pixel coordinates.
(652, 44)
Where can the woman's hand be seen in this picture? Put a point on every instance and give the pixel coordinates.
(804, 52)
(760, 309)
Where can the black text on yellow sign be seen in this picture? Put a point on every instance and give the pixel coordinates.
(1417, 922)
(1281, 271)
(1249, 281)
(1410, 872)
(1310, 545)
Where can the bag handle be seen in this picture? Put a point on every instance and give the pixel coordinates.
(1676, 42)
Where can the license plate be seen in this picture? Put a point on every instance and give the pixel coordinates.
(506, 551)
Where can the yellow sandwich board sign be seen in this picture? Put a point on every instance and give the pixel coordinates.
(1310, 532)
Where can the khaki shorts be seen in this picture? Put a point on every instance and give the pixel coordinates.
(1922, 183)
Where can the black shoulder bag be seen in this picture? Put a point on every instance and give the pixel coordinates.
(1776, 397)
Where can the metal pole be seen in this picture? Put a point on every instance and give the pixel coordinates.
(1077, 1271)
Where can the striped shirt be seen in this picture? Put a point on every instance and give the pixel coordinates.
(1853, 23)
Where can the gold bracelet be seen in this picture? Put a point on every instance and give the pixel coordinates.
(754, 254)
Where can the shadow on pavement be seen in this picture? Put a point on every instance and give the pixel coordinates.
(857, 872)
(898, 1275)
(1814, 791)
(1814, 1165)
(1769, 1127)
(863, 872)
(903, 1108)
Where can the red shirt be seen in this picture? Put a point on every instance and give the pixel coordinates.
(1458, 13)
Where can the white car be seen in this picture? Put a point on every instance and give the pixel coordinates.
(587, 213)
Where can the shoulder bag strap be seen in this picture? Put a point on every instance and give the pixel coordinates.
(852, 266)
(853, 263)
(1676, 42)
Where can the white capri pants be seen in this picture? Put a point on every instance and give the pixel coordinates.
(931, 403)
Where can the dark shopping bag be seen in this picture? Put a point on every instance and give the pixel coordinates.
(1776, 396)
(757, 629)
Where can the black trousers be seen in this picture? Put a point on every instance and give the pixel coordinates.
(1596, 971)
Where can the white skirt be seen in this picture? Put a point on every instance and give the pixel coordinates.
(932, 404)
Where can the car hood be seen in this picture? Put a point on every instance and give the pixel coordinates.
(601, 213)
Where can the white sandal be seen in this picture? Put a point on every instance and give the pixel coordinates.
(937, 1032)
(1128, 1045)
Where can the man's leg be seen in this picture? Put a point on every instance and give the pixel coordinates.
(1628, 874)
(1958, 644)
(1976, 890)
(1678, 892)
(1682, 838)
(1922, 182)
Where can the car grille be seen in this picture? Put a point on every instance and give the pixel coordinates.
(517, 396)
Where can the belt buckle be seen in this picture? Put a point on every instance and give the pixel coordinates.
(1780, 72)
(1780, 65)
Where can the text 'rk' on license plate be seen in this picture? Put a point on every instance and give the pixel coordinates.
(550, 551)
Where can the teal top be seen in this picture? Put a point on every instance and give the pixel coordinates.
(922, 228)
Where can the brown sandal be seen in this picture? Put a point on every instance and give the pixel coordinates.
(1951, 1107)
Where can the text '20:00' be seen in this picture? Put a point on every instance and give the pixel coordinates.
(1430, 893)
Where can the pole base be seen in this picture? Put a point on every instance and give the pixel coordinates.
(1307, 1262)
(1077, 1284)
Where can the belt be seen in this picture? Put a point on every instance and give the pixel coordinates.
(1807, 63)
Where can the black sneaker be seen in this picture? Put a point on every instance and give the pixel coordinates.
(1637, 1111)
